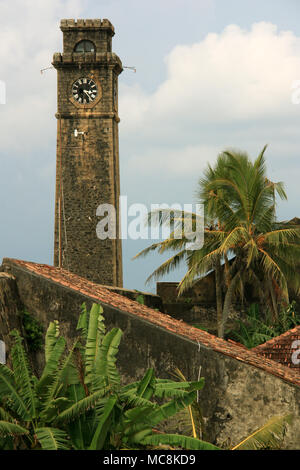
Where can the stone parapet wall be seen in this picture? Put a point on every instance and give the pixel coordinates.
(100, 32)
(86, 24)
(10, 311)
(242, 390)
(77, 59)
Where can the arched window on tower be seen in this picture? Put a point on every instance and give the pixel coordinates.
(85, 46)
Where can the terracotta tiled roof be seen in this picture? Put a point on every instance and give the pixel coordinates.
(237, 344)
(283, 349)
(100, 294)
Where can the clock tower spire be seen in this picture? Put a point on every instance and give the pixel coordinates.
(87, 165)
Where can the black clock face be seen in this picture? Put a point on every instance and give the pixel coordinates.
(84, 90)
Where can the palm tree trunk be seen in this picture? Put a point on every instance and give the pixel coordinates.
(227, 270)
(227, 303)
(274, 301)
(219, 297)
(260, 289)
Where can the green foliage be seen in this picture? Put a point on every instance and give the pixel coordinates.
(288, 318)
(141, 299)
(119, 416)
(79, 402)
(200, 327)
(52, 335)
(52, 439)
(257, 328)
(33, 331)
(28, 404)
(240, 224)
(191, 419)
(268, 437)
(175, 440)
(253, 331)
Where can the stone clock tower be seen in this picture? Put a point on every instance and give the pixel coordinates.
(87, 168)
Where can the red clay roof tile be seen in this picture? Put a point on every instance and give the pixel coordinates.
(281, 348)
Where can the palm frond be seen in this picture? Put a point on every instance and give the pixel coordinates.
(104, 370)
(270, 266)
(269, 436)
(8, 389)
(104, 423)
(6, 416)
(52, 438)
(171, 408)
(176, 440)
(252, 252)
(58, 381)
(146, 386)
(79, 429)
(191, 416)
(137, 418)
(11, 429)
(282, 236)
(68, 373)
(237, 235)
(83, 321)
(260, 160)
(51, 366)
(23, 374)
(52, 335)
(95, 335)
(172, 218)
(167, 266)
(169, 244)
(79, 407)
(171, 389)
(201, 262)
(132, 400)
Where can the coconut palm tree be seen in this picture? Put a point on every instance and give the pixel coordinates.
(242, 240)
(241, 198)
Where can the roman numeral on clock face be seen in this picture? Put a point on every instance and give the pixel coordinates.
(84, 90)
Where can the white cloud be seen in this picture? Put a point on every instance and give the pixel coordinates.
(174, 162)
(214, 88)
(28, 40)
(234, 75)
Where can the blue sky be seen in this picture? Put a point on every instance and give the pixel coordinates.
(210, 75)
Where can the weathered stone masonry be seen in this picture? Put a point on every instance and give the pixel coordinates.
(87, 171)
(242, 389)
